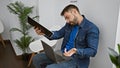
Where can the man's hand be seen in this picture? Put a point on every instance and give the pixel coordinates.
(70, 52)
(38, 31)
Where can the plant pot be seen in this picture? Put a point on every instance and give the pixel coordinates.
(25, 56)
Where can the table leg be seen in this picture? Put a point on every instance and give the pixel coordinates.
(30, 59)
(2, 40)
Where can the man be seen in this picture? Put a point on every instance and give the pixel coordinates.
(80, 41)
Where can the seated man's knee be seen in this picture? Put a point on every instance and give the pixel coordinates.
(38, 58)
(34, 59)
(52, 66)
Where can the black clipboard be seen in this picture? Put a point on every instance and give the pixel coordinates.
(36, 24)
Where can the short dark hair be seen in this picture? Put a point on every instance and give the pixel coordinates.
(69, 7)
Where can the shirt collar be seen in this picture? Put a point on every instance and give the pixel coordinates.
(83, 22)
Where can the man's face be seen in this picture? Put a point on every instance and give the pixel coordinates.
(70, 18)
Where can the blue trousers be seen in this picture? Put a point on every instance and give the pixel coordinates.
(41, 58)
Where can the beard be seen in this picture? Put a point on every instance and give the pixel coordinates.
(74, 22)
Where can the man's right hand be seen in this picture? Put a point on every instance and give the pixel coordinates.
(38, 31)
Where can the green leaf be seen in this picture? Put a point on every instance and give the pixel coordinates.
(113, 59)
(16, 8)
(20, 45)
(118, 60)
(118, 48)
(20, 6)
(24, 42)
(27, 10)
(11, 9)
(16, 29)
(22, 11)
(113, 52)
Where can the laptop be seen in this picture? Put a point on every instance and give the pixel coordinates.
(36, 24)
(51, 54)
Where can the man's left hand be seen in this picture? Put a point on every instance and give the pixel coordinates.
(70, 52)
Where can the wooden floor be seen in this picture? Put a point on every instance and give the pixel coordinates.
(8, 59)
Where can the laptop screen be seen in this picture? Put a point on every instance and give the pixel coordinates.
(49, 51)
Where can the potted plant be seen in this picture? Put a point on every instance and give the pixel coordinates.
(115, 56)
(22, 12)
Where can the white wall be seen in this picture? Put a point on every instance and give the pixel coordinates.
(118, 31)
(11, 20)
(46, 13)
(104, 13)
(117, 35)
(49, 12)
(4, 17)
(60, 4)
